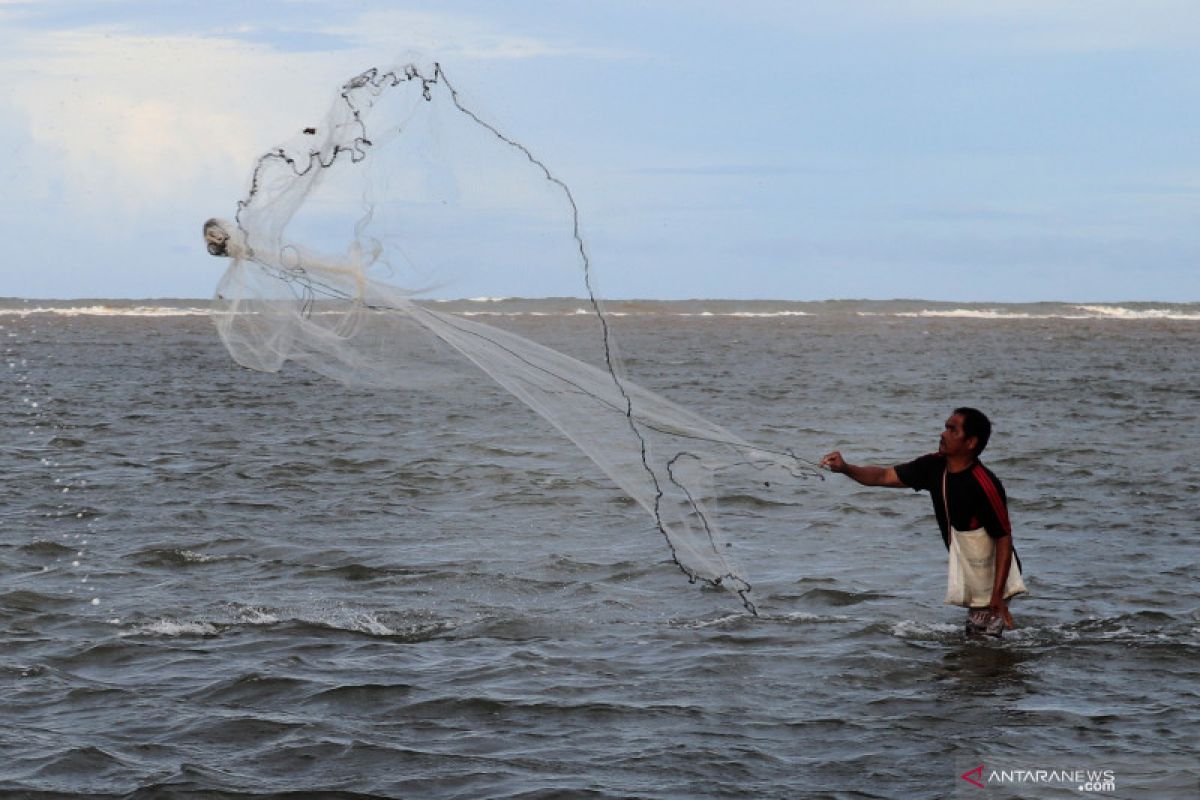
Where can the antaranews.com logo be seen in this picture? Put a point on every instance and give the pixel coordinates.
(1083, 780)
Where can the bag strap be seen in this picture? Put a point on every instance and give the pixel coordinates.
(946, 503)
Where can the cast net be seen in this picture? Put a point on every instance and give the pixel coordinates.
(402, 192)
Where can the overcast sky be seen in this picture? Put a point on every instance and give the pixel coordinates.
(939, 149)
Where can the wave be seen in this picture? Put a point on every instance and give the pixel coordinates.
(107, 311)
(837, 597)
(559, 307)
(1074, 312)
(575, 313)
(321, 621)
(768, 314)
(1120, 312)
(967, 313)
(1143, 629)
(43, 547)
(609, 313)
(935, 631)
(734, 314)
(250, 688)
(174, 628)
(177, 557)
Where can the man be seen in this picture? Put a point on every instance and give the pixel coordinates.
(966, 496)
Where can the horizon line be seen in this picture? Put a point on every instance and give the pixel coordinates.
(545, 298)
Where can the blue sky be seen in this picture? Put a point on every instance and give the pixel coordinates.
(940, 149)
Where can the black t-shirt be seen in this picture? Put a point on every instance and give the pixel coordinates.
(977, 498)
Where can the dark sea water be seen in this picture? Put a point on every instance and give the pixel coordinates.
(220, 583)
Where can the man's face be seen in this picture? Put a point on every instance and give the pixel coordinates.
(954, 442)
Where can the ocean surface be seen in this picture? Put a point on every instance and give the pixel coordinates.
(220, 583)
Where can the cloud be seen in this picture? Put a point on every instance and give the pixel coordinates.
(128, 122)
(129, 128)
(129, 118)
(460, 37)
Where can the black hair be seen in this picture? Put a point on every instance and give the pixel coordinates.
(975, 423)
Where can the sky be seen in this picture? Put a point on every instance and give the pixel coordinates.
(966, 150)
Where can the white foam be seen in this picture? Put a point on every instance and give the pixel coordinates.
(257, 616)
(967, 313)
(767, 314)
(804, 616)
(196, 558)
(573, 313)
(370, 624)
(708, 623)
(1069, 312)
(338, 617)
(1120, 312)
(1080, 312)
(106, 311)
(347, 620)
(911, 629)
(170, 627)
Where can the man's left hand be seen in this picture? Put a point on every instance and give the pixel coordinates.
(999, 608)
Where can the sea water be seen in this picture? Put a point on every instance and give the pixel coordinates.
(215, 580)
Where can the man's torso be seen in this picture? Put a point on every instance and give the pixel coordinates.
(976, 496)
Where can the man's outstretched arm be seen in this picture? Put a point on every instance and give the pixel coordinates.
(865, 474)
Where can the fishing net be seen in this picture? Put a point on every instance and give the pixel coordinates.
(402, 192)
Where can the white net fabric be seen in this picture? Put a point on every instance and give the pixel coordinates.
(403, 184)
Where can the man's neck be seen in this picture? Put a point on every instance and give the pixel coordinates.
(959, 463)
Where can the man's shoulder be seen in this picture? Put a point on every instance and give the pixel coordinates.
(993, 490)
(931, 460)
(922, 472)
(986, 478)
(928, 464)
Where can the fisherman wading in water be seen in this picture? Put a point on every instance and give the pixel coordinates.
(971, 510)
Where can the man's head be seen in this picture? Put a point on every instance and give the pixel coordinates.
(967, 431)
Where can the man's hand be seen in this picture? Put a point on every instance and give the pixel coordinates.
(866, 475)
(999, 608)
(1004, 559)
(834, 462)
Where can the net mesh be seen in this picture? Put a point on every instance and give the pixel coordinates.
(403, 191)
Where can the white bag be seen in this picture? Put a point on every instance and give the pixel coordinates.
(971, 572)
